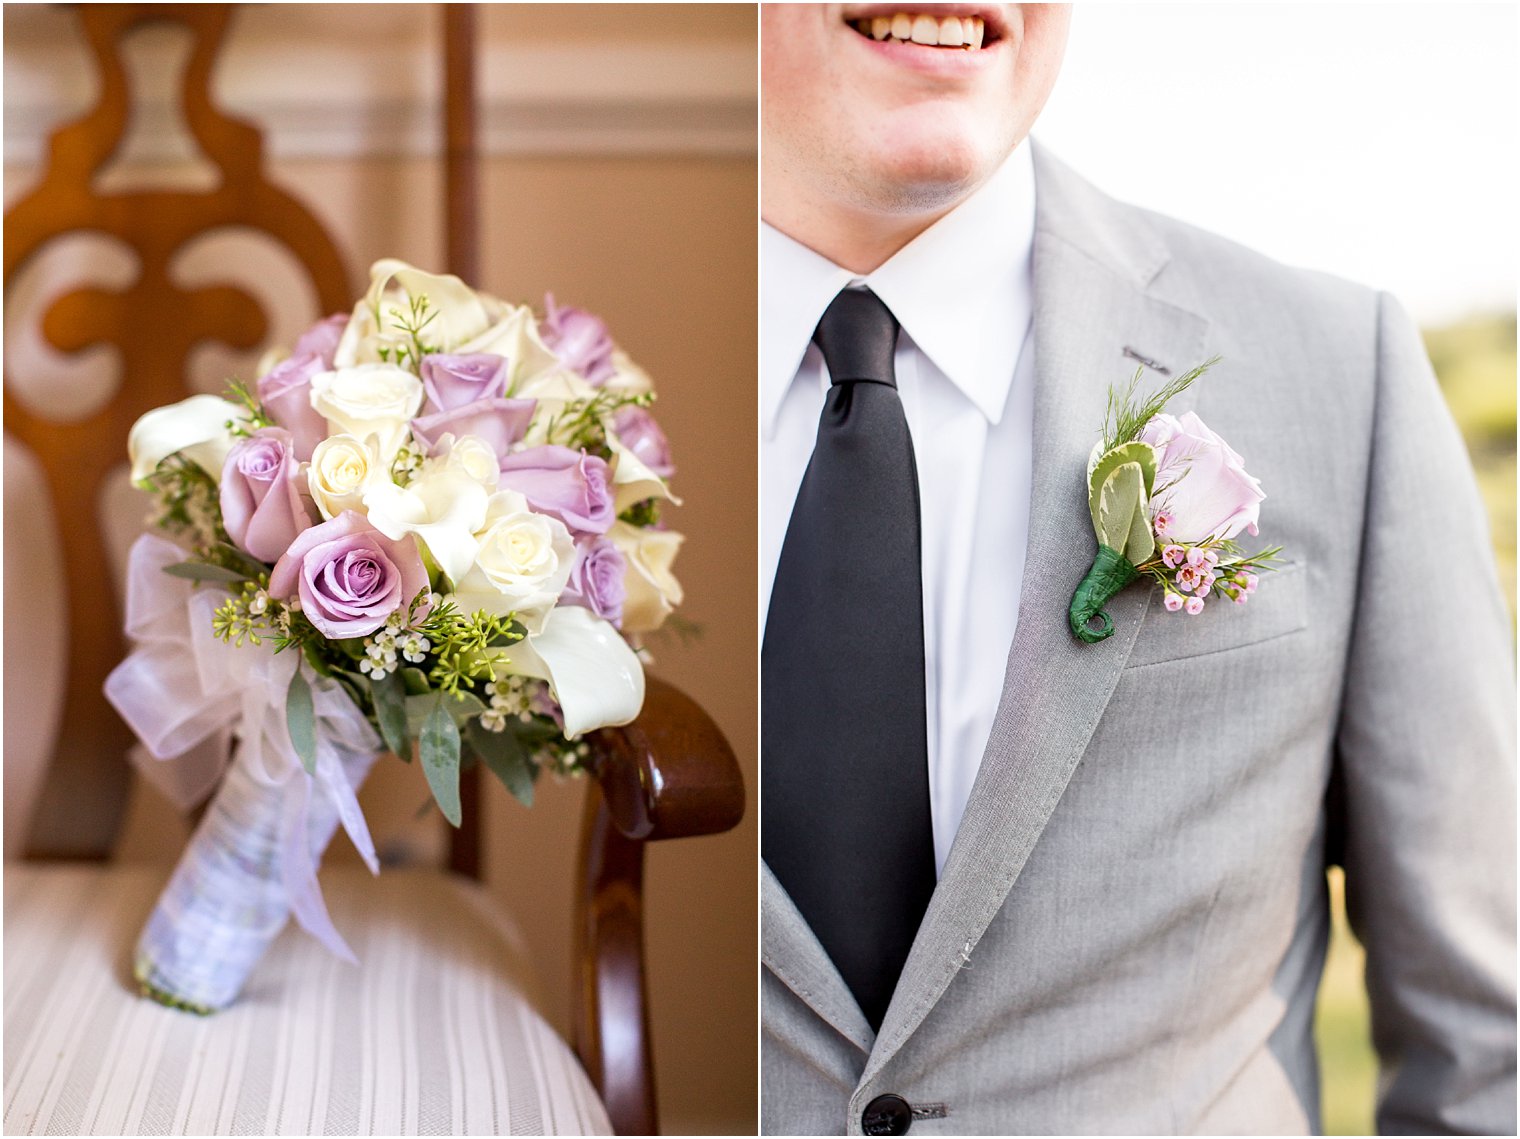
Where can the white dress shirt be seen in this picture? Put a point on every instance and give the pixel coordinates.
(963, 292)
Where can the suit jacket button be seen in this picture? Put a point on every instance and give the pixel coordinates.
(887, 1115)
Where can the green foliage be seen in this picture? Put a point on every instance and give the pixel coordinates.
(642, 514)
(1124, 524)
(461, 642)
(1128, 413)
(301, 719)
(503, 753)
(389, 696)
(439, 748)
(256, 416)
(411, 323)
(579, 423)
(1142, 454)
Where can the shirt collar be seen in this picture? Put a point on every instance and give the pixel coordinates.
(962, 290)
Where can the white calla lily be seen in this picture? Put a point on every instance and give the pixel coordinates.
(632, 480)
(459, 313)
(195, 428)
(596, 677)
(444, 507)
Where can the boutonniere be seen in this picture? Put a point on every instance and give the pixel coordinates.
(1168, 498)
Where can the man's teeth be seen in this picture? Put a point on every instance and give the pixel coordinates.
(932, 31)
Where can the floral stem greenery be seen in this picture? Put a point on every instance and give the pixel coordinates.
(1128, 413)
(257, 417)
(579, 424)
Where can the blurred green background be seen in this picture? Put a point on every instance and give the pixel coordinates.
(1475, 362)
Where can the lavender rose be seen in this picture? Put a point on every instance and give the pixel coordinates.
(569, 485)
(454, 381)
(637, 430)
(500, 422)
(580, 340)
(285, 392)
(596, 580)
(1202, 489)
(349, 576)
(263, 502)
(321, 339)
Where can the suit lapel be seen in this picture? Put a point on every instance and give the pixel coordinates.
(1091, 269)
(791, 951)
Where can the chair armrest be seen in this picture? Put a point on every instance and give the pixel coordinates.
(669, 774)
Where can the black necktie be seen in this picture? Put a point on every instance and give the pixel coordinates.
(845, 821)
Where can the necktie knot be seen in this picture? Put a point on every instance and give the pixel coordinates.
(857, 336)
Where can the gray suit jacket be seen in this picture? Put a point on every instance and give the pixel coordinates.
(1129, 931)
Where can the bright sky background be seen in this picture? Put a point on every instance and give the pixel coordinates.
(1378, 141)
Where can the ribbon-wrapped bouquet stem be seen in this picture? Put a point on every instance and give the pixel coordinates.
(433, 529)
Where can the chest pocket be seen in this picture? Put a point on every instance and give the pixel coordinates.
(1277, 608)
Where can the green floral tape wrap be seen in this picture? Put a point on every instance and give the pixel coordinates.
(1111, 571)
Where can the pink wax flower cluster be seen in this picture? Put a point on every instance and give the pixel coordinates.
(1197, 574)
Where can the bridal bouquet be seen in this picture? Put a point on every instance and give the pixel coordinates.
(433, 529)
(1168, 498)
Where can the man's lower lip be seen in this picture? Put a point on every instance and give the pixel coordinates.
(930, 60)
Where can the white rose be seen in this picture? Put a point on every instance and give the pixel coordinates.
(342, 469)
(653, 591)
(522, 563)
(369, 399)
(195, 428)
(475, 457)
(443, 507)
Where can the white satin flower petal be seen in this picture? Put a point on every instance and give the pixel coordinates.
(194, 427)
(444, 508)
(632, 479)
(596, 677)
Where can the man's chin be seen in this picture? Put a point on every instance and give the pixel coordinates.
(929, 178)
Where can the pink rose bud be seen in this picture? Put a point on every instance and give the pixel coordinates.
(1172, 601)
(285, 392)
(1194, 606)
(263, 500)
(1209, 493)
(321, 340)
(580, 340)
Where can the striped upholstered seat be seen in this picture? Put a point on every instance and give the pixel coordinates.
(434, 1034)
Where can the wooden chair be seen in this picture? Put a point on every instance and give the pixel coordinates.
(670, 774)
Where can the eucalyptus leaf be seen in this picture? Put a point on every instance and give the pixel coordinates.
(301, 719)
(1123, 522)
(1137, 452)
(503, 753)
(463, 708)
(439, 747)
(201, 571)
(390, 711)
